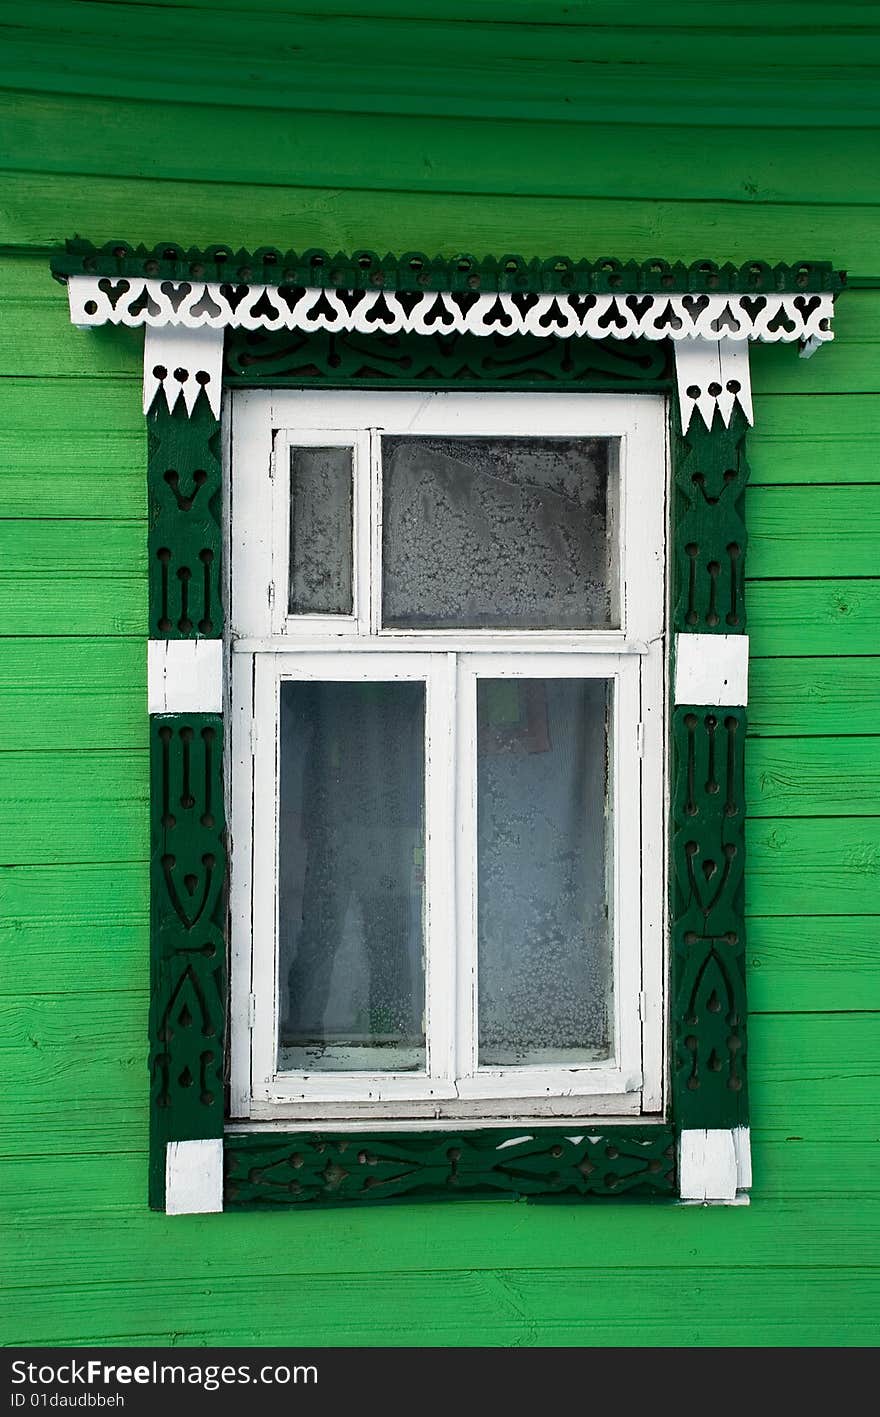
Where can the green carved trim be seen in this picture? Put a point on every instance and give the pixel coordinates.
(415, 271)
(257, 359)
(265, 1172)
(710, 472)
(708, 990)
(185, 520)
(187, 935)
(707, 1010)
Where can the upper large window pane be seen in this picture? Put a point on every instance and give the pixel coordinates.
(497, 533)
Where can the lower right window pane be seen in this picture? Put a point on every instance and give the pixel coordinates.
(545, 972)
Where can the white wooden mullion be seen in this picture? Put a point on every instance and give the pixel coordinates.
(440, 871)
(466, 870)
(375, 577)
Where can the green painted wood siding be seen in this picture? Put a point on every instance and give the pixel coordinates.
(736, 131)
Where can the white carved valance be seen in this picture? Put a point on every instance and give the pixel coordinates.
(710, 332)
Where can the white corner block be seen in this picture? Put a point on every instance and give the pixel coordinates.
(183, 364)
(194, 1177)
(707, 1168)
(712, 670)
(742, 1146)
(185, 676)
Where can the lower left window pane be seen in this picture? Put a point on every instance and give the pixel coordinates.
(351, 874)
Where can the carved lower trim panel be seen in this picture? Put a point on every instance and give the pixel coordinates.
(316, 1169)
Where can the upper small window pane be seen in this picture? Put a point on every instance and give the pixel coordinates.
(497, 533)
(320, 531)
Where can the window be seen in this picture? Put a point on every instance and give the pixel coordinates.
(447, 779)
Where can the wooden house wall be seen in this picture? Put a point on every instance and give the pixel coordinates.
(733, 131)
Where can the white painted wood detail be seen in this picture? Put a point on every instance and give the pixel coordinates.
(712, 374)
(135, 300)
(271, 645)
(742, 1146)
(712, 670)
(194, 1177)
(707, 1168)
(185, 676)
(710, 332)
(180, 363)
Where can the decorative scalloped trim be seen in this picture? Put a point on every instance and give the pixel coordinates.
(414, 271)
(98, 300)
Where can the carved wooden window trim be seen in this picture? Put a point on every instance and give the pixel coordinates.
(277, 335)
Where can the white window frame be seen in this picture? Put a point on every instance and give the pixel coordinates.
(267, 645)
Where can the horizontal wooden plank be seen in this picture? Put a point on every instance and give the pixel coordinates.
(74, 693)
(836, 617)
(477, 1238)
(813, 777)
(823, 439)
(802, 697)
(786, 1307)
(74, 927)
(40, 342)
(73, 578)
(588, 72)
(88, 806)
(70, 1022)
(814, 1077)
(815, 532)
(813, 964)
(41, 214)
(813, 866)
(728, 18)
(98, 473)
(49, 133)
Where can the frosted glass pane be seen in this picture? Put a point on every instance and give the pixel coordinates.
(512, 533)
(545, 980)
(351, 877)
(320, 531)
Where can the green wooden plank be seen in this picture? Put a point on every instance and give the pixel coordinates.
(49, 133)
(77, 693)
(75, 926)
(813, 964)
(724, 19)
(43, 214)
(57, 807)
(815, 1077)
(69, 1022)
(813, 531)
(802, 697)
(436, 67)
(814, 617)
(75, 474)
(73, 605)
(39, 342)
(597, 1236)
(101, 549)
(822, 439)
(73, 578)
(813, 777)
(813, 866)
(800, 1307)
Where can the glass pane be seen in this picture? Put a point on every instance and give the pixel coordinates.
(351, 877)
(320, 531)
(512, 533)
(543, 845)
